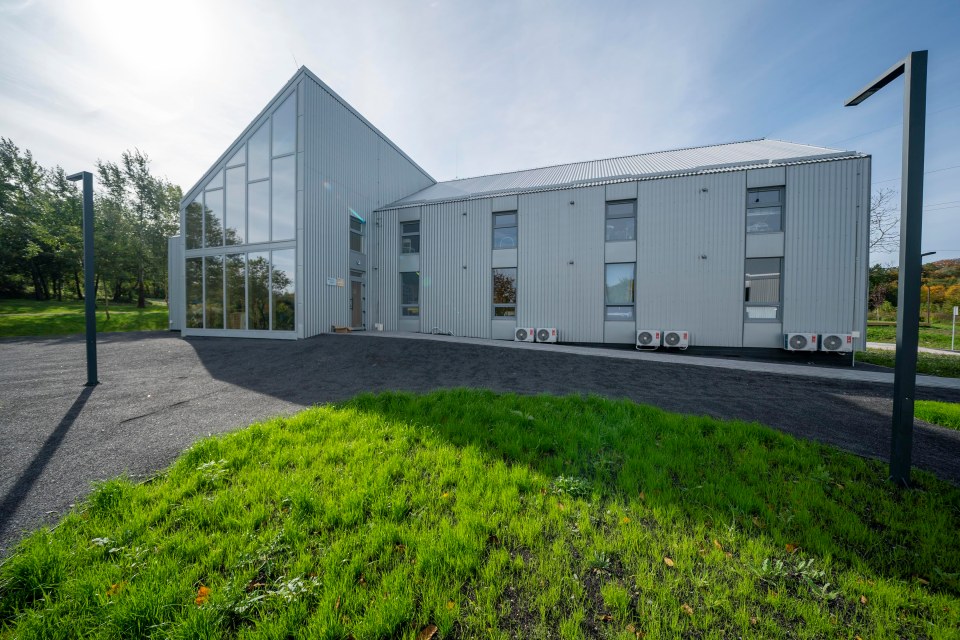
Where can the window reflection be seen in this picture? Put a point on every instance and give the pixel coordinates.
(284, 198)
(285, 127)
(505, 292)
(194, 293)
(282, 281)
(619, 291)
(213, 297)
(193, 220)
(410, 293)
(236, 292)
(258, 209)
(213, 218)
(258, 154)
(258, 274)
(235, 215)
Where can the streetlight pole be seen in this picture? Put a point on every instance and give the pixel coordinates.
(89, 285)
(913, 68)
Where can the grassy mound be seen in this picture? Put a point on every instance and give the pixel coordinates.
(469, 514)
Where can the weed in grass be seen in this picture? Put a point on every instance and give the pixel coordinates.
(394, 514)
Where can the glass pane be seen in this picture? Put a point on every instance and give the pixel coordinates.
(410, 311)
(762, 313)
(258, 212)
(236, 292)
(356, 242)
(504, 286)
(619, 284)
(195, 293)
(767, 196)
(284, 199)
(355, 225)
(258, 154)
(763, 219)
(762, 280)
(282, 279)
(410, 227)
(213, 218)
(505, 312)
(620, 209)
(504, 219)
(619, 313)
(258, 273)
(621, 229)
(235, 220)
(216, 182)
(410, 288)
(410, 244)
(213, 266)
(285, 127)
(240, 157)
(505, 238)
(193, 220)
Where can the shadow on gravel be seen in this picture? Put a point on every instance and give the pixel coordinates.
(32, 473)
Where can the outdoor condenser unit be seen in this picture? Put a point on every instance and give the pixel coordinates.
(524, 334)
(800, 341)
(836, 342)
(648, 338)
(548, 334)
(677, 339)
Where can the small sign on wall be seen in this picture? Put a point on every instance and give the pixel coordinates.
(331, 281)
(340, 282)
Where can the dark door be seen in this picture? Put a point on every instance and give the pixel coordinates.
(356, 304)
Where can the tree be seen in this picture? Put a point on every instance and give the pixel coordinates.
(884, 221)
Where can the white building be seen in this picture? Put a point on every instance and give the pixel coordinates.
(312, 218)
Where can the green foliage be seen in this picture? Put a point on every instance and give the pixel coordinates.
(40, 318)
(931, 364)
(935, 336)
(945, 414)
(388, 514)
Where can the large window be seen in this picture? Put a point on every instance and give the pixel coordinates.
(284, 198)
(410, 237)
(619, 291)
(621, 221)
(761, 291)
(236, 290)
(194, 293)
(235, 222)
(356, 235)
(410, 293)
(258, 292)
(193, 221)
(505, 293)
(765, 210)
(282, 277)
(213, 296)
(505, 230)
(213, 216)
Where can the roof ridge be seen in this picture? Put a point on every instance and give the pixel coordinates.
(629, 155)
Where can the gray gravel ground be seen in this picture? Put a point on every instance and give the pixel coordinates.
(159, 393)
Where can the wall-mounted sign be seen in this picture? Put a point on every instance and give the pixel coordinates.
(339, 282)
(331, 281)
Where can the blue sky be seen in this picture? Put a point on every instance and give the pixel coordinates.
(468, 88)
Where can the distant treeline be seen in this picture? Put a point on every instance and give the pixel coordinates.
(41, 217)
(940, 284)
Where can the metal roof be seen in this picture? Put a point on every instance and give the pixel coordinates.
(720, 157)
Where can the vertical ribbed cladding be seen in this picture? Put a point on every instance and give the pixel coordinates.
(476, 283)
(861, 308)
(347, 167)
(551, 292)
(383, 296)
(677, 223)
(820, 275)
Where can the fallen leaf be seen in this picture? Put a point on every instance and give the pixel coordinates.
(560, 506)
(753, 619)
(668, 562)
(863, 599)
(427, 632)
(450, 605)
(446, 494)
(203, 594)
(729, 555)
(791, 548)
(606, 617)
(687, 609)
(839, 486)
(625, 520)
(115, 589)
(756, 522)
(631, 628)
(922, 581)
(362, 581)
(717, 544)
(543, 492)
(857, 638)
(643, 496)
(336, 605)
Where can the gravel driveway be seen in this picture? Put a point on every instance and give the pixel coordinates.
(159, 393)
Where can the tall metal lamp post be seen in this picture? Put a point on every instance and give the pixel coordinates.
(89, 285)
(913, 68)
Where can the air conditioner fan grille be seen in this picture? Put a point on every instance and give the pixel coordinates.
(798, 342)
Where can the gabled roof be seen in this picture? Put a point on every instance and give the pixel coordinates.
(232, 148)
(708, 159)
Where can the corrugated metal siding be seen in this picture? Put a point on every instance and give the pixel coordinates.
(347, 166)
(552, 292)
(678, 223)
(707, 158)
(384, 282)
(175, 286)
(824, 245)
(454, 298)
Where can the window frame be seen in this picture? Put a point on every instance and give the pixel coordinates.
(515, 225)
(404, 306)
(780, 204)
(409, 234)
(607, 304)
(620, 216)
(503, 305)
(360, 234)
(748, 304)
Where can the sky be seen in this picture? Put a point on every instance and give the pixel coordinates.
(470, 88)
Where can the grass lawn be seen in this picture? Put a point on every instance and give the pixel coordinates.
(498, 516)
(933, 364)
(40, 318)
(936, 336)
(945, 414)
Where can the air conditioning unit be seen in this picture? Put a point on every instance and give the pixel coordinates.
(648, 338)
(800, 341)
(548, 334)
(837, 342)
(677, 339)
(524, 334)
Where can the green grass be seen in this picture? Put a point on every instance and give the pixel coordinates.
(936, 336)
(933, 364)
(945, 414)
(497, 516)
(40, 318)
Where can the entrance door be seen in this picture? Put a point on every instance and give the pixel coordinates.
(356, 300)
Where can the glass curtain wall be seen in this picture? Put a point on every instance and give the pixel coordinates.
(251, 200)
